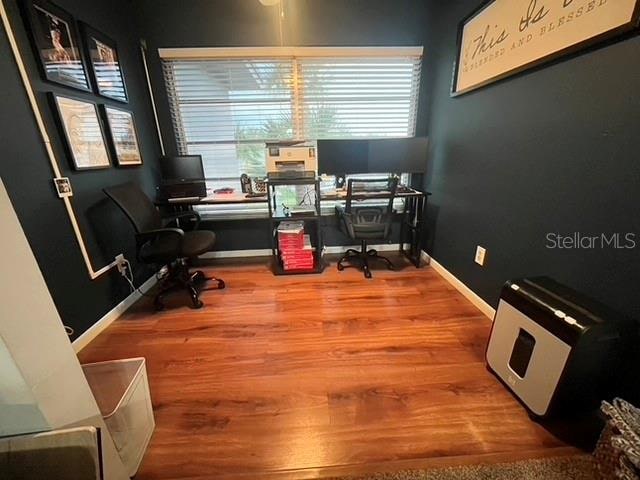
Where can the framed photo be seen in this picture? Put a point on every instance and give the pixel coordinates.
(105, 64)
(55, 40)
(63, 187)
(123, 135)
(80, 123)
(505, 37)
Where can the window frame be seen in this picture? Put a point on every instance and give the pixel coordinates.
(297, 55)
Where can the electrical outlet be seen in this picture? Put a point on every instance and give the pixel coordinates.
(480, 253)
(121, 262)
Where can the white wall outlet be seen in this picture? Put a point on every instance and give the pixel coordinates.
(121, 262)
(480, 253)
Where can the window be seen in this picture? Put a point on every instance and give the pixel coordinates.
(227, 102)
(358, 97)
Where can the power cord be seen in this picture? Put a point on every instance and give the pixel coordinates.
(128, 276)
(306, 196)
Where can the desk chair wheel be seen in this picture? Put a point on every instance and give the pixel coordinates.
(340, 267)
(198, 277)
(195, 300)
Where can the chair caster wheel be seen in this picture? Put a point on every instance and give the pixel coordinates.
(221, 285)
(197, 305)
(367, 274)
(340, 268)
(198, 277)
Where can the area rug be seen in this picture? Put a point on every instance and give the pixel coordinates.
(575, 467)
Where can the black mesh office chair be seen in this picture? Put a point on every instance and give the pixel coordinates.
(367, 222)
(158, 244)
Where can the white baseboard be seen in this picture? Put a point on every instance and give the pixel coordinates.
(97, 328)
(383, 247)
(469, 294)
(265, 252)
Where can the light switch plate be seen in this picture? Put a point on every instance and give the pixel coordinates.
(480, 253)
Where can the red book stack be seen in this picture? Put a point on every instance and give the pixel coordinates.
(295, 247)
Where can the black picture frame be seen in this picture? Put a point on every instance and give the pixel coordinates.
(122, 133)
(56, 43)
(80, 126)
(107, 74)
(592, 43)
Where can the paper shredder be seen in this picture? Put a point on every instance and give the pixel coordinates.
(554, 348)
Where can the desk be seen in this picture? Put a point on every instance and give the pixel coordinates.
(412, 224)
(214, 199)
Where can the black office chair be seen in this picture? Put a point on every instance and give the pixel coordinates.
(158, 244)
(367, 222)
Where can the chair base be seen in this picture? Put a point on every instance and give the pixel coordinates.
(360, 259)
(179, 277)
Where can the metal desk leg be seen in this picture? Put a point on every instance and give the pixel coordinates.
(413, 224)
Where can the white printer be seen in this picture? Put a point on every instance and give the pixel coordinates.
(296, 158)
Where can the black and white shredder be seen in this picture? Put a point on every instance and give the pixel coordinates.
(554, 348)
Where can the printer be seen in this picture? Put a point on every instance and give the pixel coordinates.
(295, 159)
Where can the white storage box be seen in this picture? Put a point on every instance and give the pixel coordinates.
(121, 390)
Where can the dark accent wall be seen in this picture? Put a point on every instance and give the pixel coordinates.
(553, 150)
(245, 23)
(27, 174)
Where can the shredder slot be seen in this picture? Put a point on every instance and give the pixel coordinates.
(522, 352)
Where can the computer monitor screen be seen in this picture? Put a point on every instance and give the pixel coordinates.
(386, 155)
(337, 157)
(398, 155)
(182, 167)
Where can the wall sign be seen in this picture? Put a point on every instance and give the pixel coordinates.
(504, 37)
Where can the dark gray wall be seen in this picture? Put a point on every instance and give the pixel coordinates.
(237, 23)
(553, 150)
(27, 174)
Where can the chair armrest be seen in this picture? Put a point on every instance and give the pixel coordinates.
(184, 215)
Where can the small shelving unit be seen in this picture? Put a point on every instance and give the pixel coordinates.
(312, 221)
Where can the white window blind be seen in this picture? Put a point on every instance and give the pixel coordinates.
(225, 104)
(225, 110)
(358, 97)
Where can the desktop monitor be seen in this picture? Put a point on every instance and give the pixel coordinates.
(387, 155)
(182, 168)
(398, 155)
(182, 177)
(337, 157)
